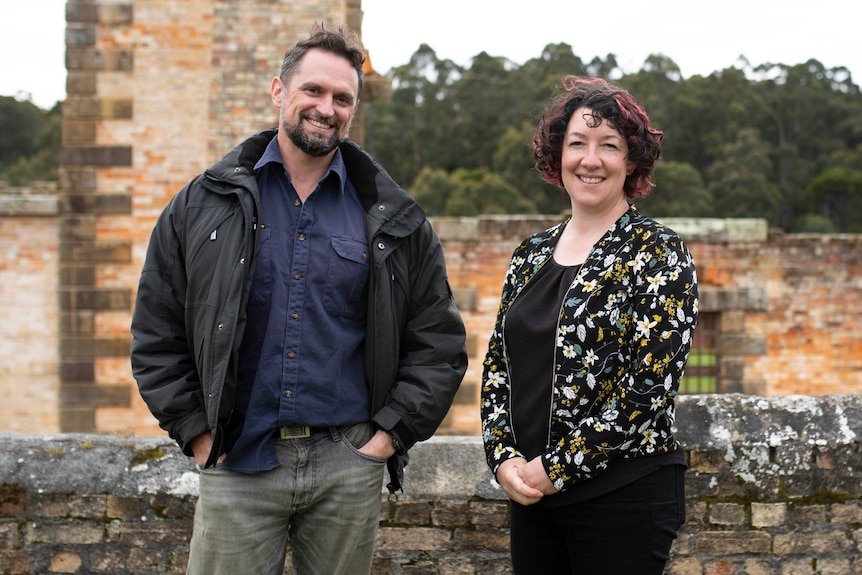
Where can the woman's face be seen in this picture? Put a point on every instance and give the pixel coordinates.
(594, 163)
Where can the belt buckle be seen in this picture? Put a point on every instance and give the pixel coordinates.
(294, 432)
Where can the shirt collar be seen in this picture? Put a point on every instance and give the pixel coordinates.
(273, 154)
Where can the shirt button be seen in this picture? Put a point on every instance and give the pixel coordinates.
(301, 237)
(294, 315)
(288, 393)
(291, 354)
(297, 275)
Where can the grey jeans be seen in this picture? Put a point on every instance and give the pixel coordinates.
(324, 501)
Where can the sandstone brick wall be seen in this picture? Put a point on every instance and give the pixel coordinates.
(29, 357)
(774, 487)
(158, 90)
(788, 306)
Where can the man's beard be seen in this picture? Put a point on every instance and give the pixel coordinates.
(311, 145)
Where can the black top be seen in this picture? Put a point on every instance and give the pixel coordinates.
(530, 332)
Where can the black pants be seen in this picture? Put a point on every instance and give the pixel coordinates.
(626, 532)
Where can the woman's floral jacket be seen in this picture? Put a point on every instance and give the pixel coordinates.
(623, 338)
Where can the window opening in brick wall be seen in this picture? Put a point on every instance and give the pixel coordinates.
(701, 371)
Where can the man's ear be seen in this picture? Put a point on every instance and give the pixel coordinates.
(276, 91)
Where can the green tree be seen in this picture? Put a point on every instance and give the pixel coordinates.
(468, 192)
(813, 112)
(413, 129)
(679, 192)
(481, 191)
(432, 189)
(836, 194)
(739, 181)
(513, 161)
(29, 142)
(483, 111)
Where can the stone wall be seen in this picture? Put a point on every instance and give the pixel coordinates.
(29, 357)
(788, 309)
(788, 306)
(158, 90)
(774, 487)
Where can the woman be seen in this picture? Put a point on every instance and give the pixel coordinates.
(593, 332)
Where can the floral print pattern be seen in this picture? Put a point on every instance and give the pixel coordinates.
(623, 337)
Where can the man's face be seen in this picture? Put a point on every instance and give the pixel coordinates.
(318, 103)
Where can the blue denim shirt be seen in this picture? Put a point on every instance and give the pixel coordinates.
(301, 360)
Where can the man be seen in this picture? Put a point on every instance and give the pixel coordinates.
(295, 332)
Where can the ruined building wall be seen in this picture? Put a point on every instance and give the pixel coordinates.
(28, 310)
(156, 92)
(159, 90)
(787, 306)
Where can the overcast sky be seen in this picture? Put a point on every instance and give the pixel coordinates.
(700, 37)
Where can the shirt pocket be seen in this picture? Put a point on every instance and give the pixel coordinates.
(346, 288)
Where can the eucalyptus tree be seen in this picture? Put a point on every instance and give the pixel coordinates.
(836, 194)
(813, 112)
(413, 129)
(679, 192)
(739, 181)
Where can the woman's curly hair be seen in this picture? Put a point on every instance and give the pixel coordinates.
(615, 106)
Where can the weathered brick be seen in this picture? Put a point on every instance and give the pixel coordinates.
(125, 508)
(827, 566)
(171, 507)
(758, 567)
(65, 562)
(711, 461)
(414, 539)
(10, 537)
(811, 542)
(164, 532)
(768, 514)
(99, 156)
(147, 559)
(489, 513)
(16, 562)
(69, 505)
(108, 560)
(732, 542)
(695, 511)
(732, 514)
(684, 566)
(718, 566)
(13, 500)
(413, 513)
(65, 532)
(481, 540)
(806, 514)
(450, 514)
(846, 513)
(95, 394)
